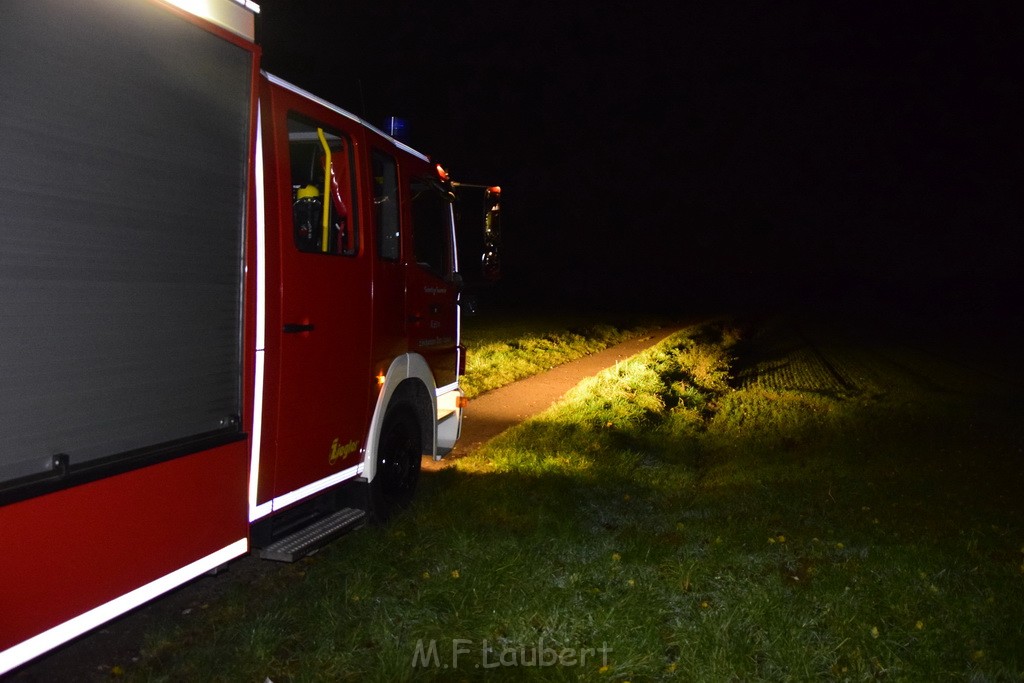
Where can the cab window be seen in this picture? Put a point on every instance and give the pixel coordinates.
(323, 219)
(431, 226)
(385, 205)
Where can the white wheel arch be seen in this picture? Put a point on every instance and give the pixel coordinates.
(408, 366)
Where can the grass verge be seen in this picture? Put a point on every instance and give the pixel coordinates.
(777, 505)
(500, 352)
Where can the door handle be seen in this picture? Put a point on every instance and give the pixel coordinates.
(296, 328)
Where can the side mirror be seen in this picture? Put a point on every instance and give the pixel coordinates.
(490, 262)
(492, 214)
(490, 265)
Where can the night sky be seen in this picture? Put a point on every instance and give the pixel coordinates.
(683, 151)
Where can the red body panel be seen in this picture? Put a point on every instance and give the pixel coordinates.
(431, 312)
(432, 323)
(358, 312)
(317, 381)
(413, 310)
(389, 305)
(76, 549)
(80, 548)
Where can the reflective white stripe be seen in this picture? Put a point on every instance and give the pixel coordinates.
(261, 237)
(347, 114)
(454, 386)
(58, 635)
(315, 487)
(257, 511)
(260, 511)
(458, 308)
(261, 325)
(455, 250)
(458, 340)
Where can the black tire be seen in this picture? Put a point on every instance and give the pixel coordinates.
(399, 452)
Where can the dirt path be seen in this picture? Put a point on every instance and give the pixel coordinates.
(492, 413)
(113, 647)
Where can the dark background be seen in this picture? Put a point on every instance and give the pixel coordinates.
(704, 154)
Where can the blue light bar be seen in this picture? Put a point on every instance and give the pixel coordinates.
(397, 128)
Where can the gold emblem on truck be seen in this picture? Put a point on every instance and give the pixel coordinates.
(339, 451)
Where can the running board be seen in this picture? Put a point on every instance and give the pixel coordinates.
(306, 540)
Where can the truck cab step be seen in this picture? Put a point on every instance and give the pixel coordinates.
(304, 541)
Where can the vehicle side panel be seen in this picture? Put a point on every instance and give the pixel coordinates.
(76, 549)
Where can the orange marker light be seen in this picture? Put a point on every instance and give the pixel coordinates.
(443, 174)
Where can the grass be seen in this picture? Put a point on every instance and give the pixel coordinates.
(773, 504)
(504, 350)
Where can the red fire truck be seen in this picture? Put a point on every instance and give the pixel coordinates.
(230, 310)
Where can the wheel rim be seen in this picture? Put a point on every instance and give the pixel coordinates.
(399, 459)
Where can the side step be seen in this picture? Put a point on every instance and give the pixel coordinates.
(306, 540)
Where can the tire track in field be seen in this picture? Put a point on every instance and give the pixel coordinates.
(838, 377)
(877, 363)
(782, 357)
(826, 359)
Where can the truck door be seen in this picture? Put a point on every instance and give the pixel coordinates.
(432, 287)
(324, 371)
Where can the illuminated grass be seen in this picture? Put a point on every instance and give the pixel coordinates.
(831, 512)
(499, 354)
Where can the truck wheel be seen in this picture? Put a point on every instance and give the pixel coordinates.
(398, 462)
